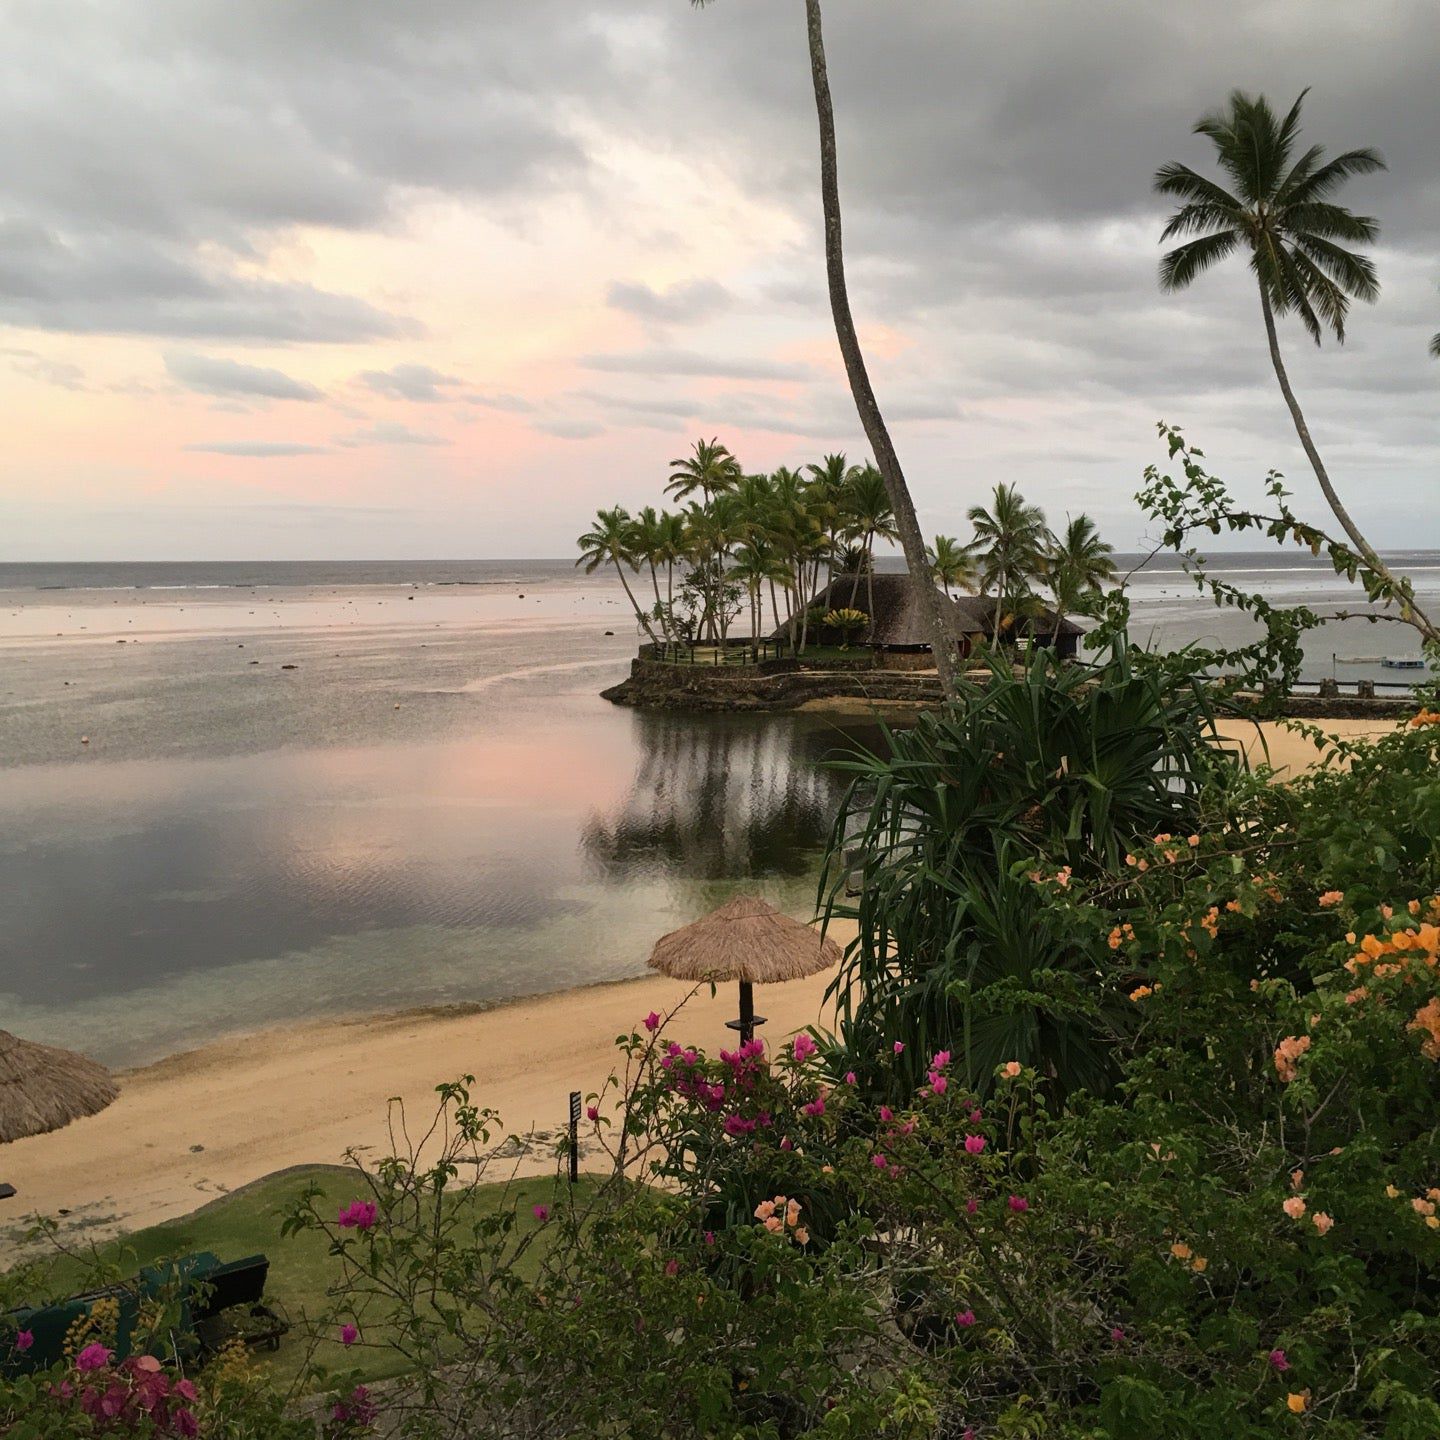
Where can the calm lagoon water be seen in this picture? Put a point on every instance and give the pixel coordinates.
(339, 789)
(240, 844)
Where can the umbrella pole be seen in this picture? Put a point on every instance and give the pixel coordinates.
(747, 1012)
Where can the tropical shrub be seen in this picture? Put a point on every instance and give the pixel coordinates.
(1054, 769)
(846, 622)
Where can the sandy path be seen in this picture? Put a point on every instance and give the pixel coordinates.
(302, 1094)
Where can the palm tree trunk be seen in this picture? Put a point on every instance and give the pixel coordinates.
(1421, 621)
(886, 460)
(774, 608)
(630, 595)
(870, 590)
(659, 608)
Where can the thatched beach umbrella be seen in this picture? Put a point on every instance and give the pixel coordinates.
(749, 940)
(43, 1087)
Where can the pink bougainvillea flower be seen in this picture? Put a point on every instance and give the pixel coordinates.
(899, 1047)
(975, 1116)
(672, 1268)
(652, 1021)
(786, 1143)
(879, 1161)
(24, 1340)
(816, 1107)
(709, 1237)
(965, 1319)
(348, 1335)
(972, 1205)
(886, 1114)
(357, 1215)
(850, 1077)
(592, 1112)
(803, 1048)
(1117, 1333)
(1018, 1203)
(93, 1357)
(540, 1212)
(938, 1083)
(974, 1144)
(1279, 1361)
(941, 1060)
(185, 1423)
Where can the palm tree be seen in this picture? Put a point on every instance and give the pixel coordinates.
(1281, 216)
(952, 563)
(828, 480)
(756, 563)
(610, 540)
(867, 515)
(647, 544)
(1076, 565)
(1010, 540)
(907, 524)
(710, 468)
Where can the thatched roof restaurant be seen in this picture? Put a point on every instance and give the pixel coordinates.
(899, 625)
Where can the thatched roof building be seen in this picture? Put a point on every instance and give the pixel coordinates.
(898, 624)
(43, 1088)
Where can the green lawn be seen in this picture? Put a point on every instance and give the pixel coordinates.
(301, 1268)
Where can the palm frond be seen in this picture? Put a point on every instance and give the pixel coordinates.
(1323, 181)
(1329, 222)
(1435, 345)
(1327, 299)
(1297, 297)
(1353, 273)
(1188, 184)
(1183, 264)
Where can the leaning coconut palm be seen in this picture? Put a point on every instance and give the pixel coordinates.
(952, 563)
(1010, 542)
(1282, 217)
(1077, 564)
(927, 595)
(610, 541)
(647, 545)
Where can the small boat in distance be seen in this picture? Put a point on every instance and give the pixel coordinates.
(1403, 662)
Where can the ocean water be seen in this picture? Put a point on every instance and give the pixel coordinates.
(235, 795)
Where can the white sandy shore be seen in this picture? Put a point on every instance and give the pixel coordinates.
(199, 1124)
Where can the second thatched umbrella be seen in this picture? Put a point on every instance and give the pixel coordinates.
(748, 940)
(43, 1087)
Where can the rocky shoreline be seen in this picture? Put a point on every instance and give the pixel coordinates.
(776, 689)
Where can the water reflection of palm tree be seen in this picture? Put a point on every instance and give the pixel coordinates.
(721, 798)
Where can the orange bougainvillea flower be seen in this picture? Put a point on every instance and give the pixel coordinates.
(1294, 1207)
(1140, 992)
(1427, 1021)
(1198, 1264)
(1331, 897)
(1180, 1250)
(1296, 1403)
(1426, 716)
(1287, 1052)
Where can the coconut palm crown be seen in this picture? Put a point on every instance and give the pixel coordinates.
(1280, 213)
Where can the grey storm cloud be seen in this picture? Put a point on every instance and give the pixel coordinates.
(214, 375)
(255, 449)
(685, 301)
(411, 382)
(995, 165)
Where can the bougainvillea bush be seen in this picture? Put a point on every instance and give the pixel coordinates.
(1239, 1237)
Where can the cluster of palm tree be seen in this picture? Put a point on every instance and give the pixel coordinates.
(739, 540)
(1014, 555)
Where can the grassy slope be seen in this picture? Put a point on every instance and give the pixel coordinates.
(248, 1222)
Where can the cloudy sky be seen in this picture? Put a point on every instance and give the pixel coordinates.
(351, 278)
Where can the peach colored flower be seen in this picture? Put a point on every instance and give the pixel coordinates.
(765, 1209)
(1012, 1069)
(1296, 1403)
(1422, 1207)
(1180, 1250)
(1322, 1222)
(1294, 1207)
(1331, 897)
(1198, 1264)
(1297, 1179)
(802, 1235)
(1287, 1052)
(1392, 1192)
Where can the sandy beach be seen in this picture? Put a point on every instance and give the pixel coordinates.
(197, 1125)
